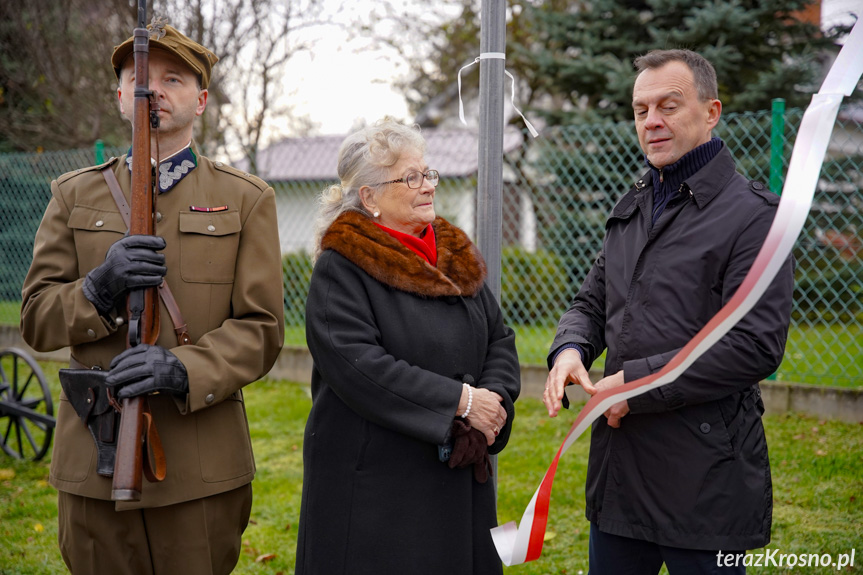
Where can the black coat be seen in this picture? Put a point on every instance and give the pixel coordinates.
(688, 466)
(391, 338)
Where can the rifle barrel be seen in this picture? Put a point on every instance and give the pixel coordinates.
(143, 323)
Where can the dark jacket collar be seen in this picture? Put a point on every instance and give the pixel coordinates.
(460, 268)
(673, 175)
(707, 182)
(704, 184)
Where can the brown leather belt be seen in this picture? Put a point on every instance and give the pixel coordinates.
(75, 364)
(180, 327)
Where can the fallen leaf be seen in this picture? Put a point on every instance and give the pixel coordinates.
(7, 474)
(549, 535)
(38, 528)
(288, 527)
(265, 557)
(820, 452)
(252, 522)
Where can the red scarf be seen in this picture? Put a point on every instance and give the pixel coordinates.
(423, 246)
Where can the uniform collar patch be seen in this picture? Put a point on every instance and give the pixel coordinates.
(172, 169)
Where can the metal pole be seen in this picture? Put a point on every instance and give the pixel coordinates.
(490, 174)
(489, 210)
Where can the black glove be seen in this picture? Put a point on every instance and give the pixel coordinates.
(130, 263)
(144, 369)
(470, 448)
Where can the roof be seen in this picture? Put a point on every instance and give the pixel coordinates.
(454, 153)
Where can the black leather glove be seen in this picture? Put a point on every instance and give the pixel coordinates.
(144, 369)
(470, 448)
(130, 263)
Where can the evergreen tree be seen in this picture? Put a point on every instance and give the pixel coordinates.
(574, 57)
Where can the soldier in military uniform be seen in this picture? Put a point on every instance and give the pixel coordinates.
(216, 245)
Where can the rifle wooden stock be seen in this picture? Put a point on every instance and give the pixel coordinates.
(129, 464)
(128, 467)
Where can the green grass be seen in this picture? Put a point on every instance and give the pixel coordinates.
(818, 489)
(816, 352)
(814, 355)
(10, 312)
(295, 335)
(820, 354)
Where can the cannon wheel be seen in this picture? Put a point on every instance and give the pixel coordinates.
(26, 409)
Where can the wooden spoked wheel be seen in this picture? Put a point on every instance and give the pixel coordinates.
(26, 409)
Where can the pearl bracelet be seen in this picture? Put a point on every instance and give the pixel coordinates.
(469, 400)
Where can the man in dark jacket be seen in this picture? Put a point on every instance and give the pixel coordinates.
(679, 473)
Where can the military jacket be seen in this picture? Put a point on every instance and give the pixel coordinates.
(225, 273)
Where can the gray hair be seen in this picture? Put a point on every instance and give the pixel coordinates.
(365, 158)
(702, 70)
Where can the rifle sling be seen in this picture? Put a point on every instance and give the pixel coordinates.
(180, 327)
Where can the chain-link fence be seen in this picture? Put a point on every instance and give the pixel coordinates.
(573, 176)
(558, 191)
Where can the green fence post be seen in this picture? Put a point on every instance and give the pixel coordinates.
(777, 146)
(99, 149)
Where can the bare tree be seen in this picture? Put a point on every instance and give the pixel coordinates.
(57, 88)
(254, 39)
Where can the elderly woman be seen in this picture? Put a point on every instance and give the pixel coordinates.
(414, 376)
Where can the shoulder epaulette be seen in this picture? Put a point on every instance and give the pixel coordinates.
(759, 189)
(254, 180)
(69, 175)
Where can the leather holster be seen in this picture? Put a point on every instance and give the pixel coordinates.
(87, 393)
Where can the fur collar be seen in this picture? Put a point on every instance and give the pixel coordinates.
(460, 270)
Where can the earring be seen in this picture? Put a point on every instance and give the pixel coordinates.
(376, 214)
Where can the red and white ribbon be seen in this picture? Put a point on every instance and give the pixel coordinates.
(519, 544)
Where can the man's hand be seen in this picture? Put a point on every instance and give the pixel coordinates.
(144, 369)
(618, 410)
(567, 369)
(131, 263)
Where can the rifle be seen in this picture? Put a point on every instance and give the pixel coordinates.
(143, 305)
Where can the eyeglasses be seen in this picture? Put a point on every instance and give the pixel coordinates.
(414, 180)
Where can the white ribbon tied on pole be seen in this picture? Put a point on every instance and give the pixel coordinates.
(518, 544)
(493, 56)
